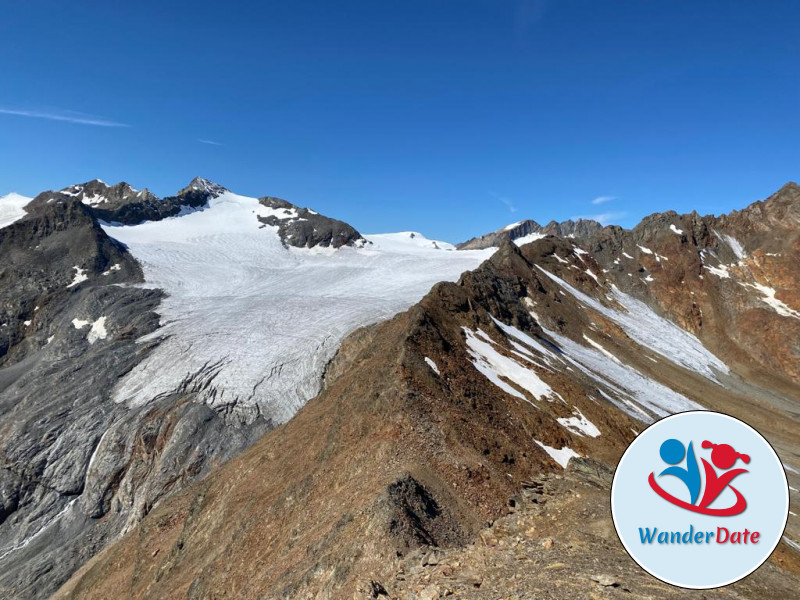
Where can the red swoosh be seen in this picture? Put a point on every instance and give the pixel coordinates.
(737, 508)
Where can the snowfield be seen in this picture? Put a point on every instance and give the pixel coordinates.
(652, 331)
(249, 324)
(12, 208)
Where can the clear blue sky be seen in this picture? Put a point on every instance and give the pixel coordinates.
(451, 117)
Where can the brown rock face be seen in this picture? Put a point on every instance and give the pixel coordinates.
(731, 280)
(434, 426)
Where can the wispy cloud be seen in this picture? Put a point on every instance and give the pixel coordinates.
(505, 200)
(210, 142)
(603, 199)
(67, 116)
(604, 218)
(527, 15)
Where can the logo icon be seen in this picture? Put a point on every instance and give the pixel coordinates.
(723, 457)
(700, 499)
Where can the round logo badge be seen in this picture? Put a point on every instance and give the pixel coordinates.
(700, 500)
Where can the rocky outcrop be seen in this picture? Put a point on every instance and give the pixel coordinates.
(304, 228)
(556, 541)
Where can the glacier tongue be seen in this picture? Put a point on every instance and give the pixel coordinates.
(249, 324)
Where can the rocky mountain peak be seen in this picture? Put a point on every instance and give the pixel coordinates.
(202, 185)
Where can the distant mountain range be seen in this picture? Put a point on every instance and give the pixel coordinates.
(210, 395)
(524, 232)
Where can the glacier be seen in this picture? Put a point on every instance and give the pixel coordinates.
(248, 324)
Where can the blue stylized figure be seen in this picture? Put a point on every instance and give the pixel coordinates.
(672, 452)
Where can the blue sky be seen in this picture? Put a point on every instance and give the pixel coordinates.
(450, 117)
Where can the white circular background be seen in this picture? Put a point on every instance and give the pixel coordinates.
(634, 504)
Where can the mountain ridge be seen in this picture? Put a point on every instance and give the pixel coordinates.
(474, 360)
(430, 427)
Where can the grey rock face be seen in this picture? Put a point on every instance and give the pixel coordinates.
(577, 229)
(77, 469)
(304, 228)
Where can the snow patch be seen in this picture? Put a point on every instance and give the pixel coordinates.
(643, 249)
(592, 275)
(80, 276)
(94, 200)
(721, 271)
(493, 365)
(98, 331)
(674, 229)
(579, 424)
(636, 394)
(562, 456)
(432, 365)
(792, 543)
(601, 349)
(768, 297)
(733, 243)
(527, 239)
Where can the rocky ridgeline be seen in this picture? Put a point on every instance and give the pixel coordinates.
(730, 280)
(123, 204)
(518, 231)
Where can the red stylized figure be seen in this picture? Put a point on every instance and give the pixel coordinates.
(724, 457)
